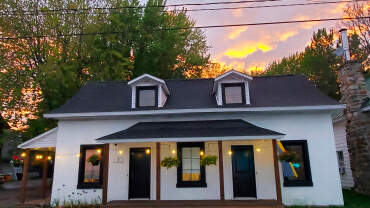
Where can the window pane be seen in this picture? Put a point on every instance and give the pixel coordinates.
(92, 167)
(186, 175)
(147, 97)
(233, 94)
(298, 166)
(190, 164)
(186, 152)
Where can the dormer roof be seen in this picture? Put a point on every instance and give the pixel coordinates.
(149, 78)
(232, 74)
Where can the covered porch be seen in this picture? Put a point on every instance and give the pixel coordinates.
(44, 145)
(246, 173)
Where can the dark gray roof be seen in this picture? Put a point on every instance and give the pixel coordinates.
(269, 91)
(183, 129)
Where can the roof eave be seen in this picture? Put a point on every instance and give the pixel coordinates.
(188, 111)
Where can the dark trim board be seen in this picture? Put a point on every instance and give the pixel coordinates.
(243, 171)
(81, 184)
(306, 160)
(139, 173)
(224, 85)
(137, 104)
(190, 184)
(195, 203)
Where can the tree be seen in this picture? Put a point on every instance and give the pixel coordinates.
(318, 63)
(48, 60)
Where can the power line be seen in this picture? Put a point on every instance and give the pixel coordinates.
(222, 8)
(269, 6)
(187, 28)
(136, 7)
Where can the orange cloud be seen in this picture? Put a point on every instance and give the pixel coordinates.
(288, 34)
(236, 32)
(247, 48)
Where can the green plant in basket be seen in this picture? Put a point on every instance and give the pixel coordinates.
(94, 159)
(208, 160)
(170, 162)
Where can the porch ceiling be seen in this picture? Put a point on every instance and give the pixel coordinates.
(204, 130)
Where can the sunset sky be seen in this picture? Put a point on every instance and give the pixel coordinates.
(249, 47)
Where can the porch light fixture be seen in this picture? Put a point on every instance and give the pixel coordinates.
(78, 155)
(120, 152)
(49, 158)
(258, 150)
(147, 151)
(230, 152)
(23, 154)
(201, 153)
(173, 151)
(98, 151)
(38, 157)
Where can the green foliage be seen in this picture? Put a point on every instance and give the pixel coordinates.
(318, 62)
(287, 156)
(54, 68)
(170, 162)
(208, 160)
(94, 159)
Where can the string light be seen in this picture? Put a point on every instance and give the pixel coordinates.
(78, 155)
(173, 151)
(120, 152)
(23, 154)
(258, 150)
(147, 151)
(98, 150)
(230, 152)
(201, 153)
(49, 158)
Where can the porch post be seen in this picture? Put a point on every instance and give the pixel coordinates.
(221, 170)
(158, 171)
(26, 161)
(105, 172)
(277, 172)
(44, 177)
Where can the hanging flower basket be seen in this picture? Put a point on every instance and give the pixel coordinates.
(208, 160)
(170, 162)
(94, 160)
(287, 156)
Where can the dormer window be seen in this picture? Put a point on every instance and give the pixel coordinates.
(233, 93)
(232, 88)
(146, 96)
(148, 91)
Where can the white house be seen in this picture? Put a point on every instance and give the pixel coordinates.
(244, 121)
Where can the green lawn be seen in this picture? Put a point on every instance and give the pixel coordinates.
(351, 200)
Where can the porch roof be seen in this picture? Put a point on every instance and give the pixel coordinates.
(191, 131)
(45, 140)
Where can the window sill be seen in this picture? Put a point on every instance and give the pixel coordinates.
(191, 185)
(89, 186)
(298, 183)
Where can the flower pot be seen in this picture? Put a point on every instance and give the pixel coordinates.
(19, 176)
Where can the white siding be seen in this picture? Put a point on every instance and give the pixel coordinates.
(316, 128)
(45, 140)
(341, 145)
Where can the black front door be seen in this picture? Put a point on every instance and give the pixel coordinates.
(244, 180)
(139, 183)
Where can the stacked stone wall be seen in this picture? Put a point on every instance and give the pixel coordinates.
(354, 93)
